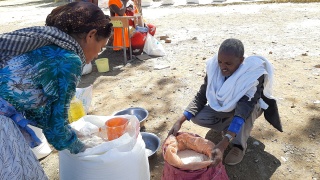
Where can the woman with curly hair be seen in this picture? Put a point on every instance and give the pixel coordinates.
(40, 68)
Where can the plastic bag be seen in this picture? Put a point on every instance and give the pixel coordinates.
(85, 95)
(87, 69)
(153, 47)
(84, 128)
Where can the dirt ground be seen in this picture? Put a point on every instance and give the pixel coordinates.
(287, 34)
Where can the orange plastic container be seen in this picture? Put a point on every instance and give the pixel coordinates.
(116, 127)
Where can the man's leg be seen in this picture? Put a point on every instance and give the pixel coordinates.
(207, 117)
(240, 141)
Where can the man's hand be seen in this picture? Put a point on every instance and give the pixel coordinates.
(217, 156)
(177, 125)
(175, 128)
(218, 150)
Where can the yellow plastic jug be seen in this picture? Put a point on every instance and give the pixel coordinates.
(76, 110)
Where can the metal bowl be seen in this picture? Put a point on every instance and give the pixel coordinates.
(152, 142)
(139, 112)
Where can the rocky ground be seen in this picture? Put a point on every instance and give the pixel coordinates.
(287, 34)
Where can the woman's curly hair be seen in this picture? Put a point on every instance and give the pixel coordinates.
(80, 18)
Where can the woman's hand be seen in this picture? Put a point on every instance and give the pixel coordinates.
(85, 147)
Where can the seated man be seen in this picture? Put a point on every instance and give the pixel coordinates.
(230, 99)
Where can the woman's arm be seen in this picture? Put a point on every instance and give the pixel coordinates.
(65, 70)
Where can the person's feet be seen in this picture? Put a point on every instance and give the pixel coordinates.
(235, 156)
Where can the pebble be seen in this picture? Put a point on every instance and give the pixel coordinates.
(284, 159)
(317, 102)
(159, 67)
(256, 143)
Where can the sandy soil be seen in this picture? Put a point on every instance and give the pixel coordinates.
(287, 34)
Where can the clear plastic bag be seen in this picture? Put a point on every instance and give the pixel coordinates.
(85, 95)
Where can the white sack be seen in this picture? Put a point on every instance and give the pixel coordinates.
(121, 159)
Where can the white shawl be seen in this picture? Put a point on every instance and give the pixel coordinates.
(223, 95)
